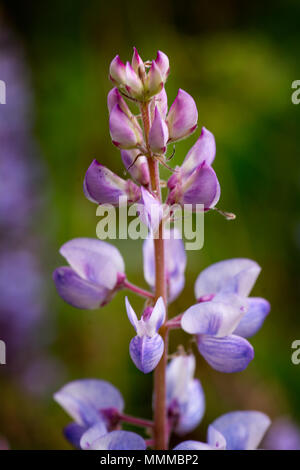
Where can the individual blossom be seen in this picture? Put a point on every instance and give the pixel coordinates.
(195, 181)
(159, 134)
(213, 323)
(232, 281)
(185, 396)
(150, 210)
(96, 407)
(159, 101)
(175, 262)
(239, 430)
(147, 347)
(95, 273)
(182, 117)
(125, 131)
(102, 186)
(136, 164)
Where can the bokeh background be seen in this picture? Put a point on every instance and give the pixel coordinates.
(238, 60)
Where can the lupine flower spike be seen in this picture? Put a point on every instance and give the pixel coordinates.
(221, 318)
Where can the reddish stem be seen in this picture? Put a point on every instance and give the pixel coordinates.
(143, 423)
(161, 434)
(137, 290)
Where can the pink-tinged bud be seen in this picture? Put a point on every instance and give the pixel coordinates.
(183, 116)
(137, 167)
(125, 133)
(114, 97)
(154, 82)
(201, 187)
(117, 71)
(162, 61)
(137, 63)
(204, 150)
(102, 186)
(134, 85)
(159, 134)
(161, 101)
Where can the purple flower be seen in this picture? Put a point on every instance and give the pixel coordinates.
(147, 347)
(162, 61)
(102, 186)
(95, 406)
(239, 430)
(204, 150)
(95, 273)
(150, 210)
(182, 117)
(117, 71)
(137, 165)
(195, 182)
(175, 262)
(116, 440)
(284, 434)
(161, 102)
(232, 280)
(201, 187)
(225, 315)
(185, 396)
(133, 79)
(214, 323)
(159, 134)
(125, 132)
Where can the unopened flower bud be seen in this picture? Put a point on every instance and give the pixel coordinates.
(159, 134)
(182, 117)
(125, 132)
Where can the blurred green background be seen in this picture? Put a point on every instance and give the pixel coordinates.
(238, 60)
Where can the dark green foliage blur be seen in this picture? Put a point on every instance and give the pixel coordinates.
(238, 60)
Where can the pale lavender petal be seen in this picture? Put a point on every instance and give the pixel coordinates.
(84, 399)
(150, 210)
(192, 410)
(252, 321)
(119, 440)
(137, 167)
(114, 97)
(77, 291)
(284, 434)
(94, 260)
(193, 445)
(117, 71)
(123, 131)
(182, 117)
(236, 275)
(204, 150)
(91, 435)
(229, 354)
(136, 62)
(180, 372)
(243, 430)
(162, 61)
(202, 187)
(73, 433)
(155, 81)
(157, 316)
(159, 134)
(161, 101)
(102, 186)
(215, 438)
(134, 85)
(146, 352)
(211, 318)
(131, 314)
(175, 257)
